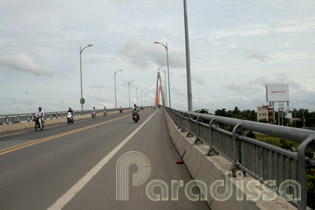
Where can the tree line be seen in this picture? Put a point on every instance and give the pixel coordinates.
(304, 117)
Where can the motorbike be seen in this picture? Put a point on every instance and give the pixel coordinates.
(93, 114)
(38, 123)
(135, 117)
(70, 118)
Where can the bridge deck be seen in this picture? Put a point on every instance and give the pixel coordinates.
(38, 174)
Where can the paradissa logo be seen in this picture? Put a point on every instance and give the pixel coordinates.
(144, 170)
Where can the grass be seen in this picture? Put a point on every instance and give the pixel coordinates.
(276, 141)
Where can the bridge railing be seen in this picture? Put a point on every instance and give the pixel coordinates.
(263, 161)
(27, 117)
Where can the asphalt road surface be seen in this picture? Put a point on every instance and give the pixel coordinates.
(73, 167)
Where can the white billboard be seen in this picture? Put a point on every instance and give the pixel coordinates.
(277, 92)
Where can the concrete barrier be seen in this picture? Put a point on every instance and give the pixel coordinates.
(211, 169)
(21, 126)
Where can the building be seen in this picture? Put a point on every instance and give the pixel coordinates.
(266, 112)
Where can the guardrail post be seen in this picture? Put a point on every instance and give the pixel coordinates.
(175, 118)
(180, 121)
(235, 162)
(18, 118)
(302, 176)
(197, 134)
(211, 150)
(189, 127)
(183, 129)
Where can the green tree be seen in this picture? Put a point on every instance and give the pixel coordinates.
(202, 111)
(221, 112)
(236, 112)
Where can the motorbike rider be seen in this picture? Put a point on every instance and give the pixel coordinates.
(71, 110)
(40, 114)
(105, 110)
(94, 111)
(135, 109)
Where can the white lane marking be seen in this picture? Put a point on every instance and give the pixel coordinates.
(75, 189)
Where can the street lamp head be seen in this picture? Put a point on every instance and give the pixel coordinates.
(115, 72)
(162, 45)
(90, 45)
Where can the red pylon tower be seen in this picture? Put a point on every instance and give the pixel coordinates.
(159, 89)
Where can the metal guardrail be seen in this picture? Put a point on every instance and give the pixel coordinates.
(261, 160)
(27, 117)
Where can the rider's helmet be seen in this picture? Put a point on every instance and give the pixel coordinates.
(40, 108)
(70, 107)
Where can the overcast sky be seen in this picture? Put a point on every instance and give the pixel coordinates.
(237, 46)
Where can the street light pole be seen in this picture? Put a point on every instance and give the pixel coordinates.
(189, 92)
(141, 98)
(129, 90)
(145, 97)
(115, 72)
(82, 99)
(137, 94)
(168, 71)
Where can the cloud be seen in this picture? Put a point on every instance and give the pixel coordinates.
(24, 63)
(178, 92)
(260, 30)
(291, 56)
(142, 54)
(196, 79)
(97, 86)
(257, 85)
(252, 93)
(253, 54)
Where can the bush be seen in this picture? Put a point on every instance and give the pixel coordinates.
(251, 134)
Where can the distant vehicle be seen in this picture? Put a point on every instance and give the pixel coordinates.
(105, 111)
(38, 123)
(93, 114)
(70, 118)
(135, 116)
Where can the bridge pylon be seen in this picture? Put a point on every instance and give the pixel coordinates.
(159, 89)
